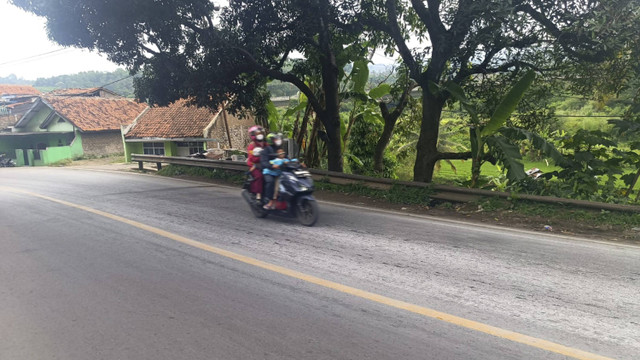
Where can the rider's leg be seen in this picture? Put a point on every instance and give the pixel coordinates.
(269, 182)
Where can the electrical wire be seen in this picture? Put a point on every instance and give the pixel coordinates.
(34, 57)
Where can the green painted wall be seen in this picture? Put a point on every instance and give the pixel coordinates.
(170, 148)
(31, 157)
(76, 146)
(55, 154)
(58, 147)
(19, 157)
(132, 148)
(34, 124)
(56, 125)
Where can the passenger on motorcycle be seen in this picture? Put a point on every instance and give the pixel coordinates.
(258, 143)
(280, 160)
(269, 153)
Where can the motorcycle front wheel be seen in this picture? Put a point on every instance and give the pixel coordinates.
(307, 212)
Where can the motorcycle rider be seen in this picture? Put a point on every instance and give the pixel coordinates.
(274, 142)
(258, 143)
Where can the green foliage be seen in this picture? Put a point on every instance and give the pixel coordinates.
(507, 154)
(508, 104)
(194, 171)
(396, 194)
(493, 37)
(90, 79)
(380, 91)
(12, 79)
(364, 135)
(481, 134)
(359, 76)
(589, 163)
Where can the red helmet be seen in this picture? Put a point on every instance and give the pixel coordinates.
(254, 130)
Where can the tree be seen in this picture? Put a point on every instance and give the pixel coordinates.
(486, 133)
(469, 37)
(391, 112)
(192, 49)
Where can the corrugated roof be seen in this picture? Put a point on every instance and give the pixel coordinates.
(95, 113)
(6, 89)
(176, 121)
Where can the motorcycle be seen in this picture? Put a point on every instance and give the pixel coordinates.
(6, 161)
(295, 197)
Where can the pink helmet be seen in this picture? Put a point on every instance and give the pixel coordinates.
(254, 130)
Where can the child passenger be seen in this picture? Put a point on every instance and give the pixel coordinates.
(276, 172)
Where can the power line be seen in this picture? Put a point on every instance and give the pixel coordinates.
(97, 87)
(26, 59)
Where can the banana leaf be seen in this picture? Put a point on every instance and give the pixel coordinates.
(508, 104)
(508, 154)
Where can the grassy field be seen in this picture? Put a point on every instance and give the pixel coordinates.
(446, 174)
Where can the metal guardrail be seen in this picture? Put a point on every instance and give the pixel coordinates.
(440, 192)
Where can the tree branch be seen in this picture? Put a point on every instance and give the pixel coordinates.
(286, 77)
(430, 17)
(454, 156)
(396, 35)
(461, 23)
(559, 35)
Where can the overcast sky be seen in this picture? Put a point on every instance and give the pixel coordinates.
(23, 35)
(27, 52)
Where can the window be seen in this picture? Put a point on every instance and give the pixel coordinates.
(153, 148)
(194, 146)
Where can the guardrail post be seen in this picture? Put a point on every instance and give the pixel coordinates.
(140, 166)
(159, 166)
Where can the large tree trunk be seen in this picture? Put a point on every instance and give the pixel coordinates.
(331, 116)
(330, 72)
(427, 148)
(334, 145)
(311, 156)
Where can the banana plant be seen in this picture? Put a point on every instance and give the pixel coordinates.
(486, 137)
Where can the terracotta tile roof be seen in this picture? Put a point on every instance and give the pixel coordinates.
(176, 121)
(95, 113)
(75, 92)
(18, 90)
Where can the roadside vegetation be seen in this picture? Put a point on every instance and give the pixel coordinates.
(480, 91)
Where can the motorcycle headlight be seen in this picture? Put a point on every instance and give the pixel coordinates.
(303, 188)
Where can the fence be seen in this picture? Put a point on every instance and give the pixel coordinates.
(439, 192)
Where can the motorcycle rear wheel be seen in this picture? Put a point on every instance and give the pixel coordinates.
(258, 211)
(307, 212)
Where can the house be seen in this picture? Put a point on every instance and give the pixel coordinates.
(181, 129)
(90, 92)
(15, 100)
(57, 128)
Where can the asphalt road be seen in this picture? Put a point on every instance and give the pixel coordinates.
(149, 278)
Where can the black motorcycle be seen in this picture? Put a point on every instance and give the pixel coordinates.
(295, 197)
(6, 161)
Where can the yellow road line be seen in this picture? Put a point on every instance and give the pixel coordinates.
(452, 319)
